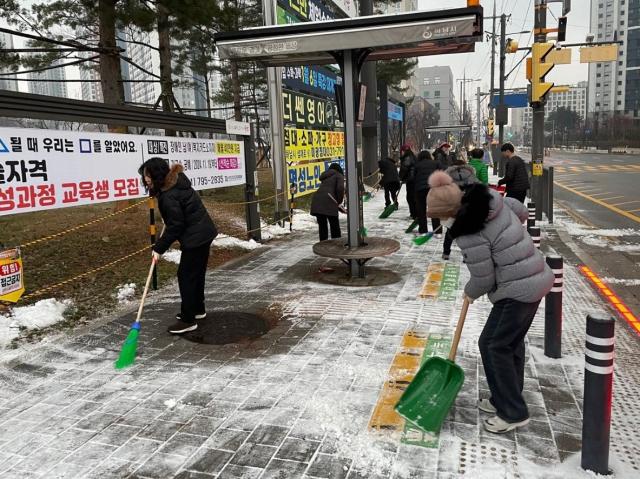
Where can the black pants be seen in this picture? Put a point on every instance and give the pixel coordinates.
(411, 199)
(191, 277)
(448, 241)
(502, 349)
(323, 228)
(391, 189)
(421, 211)
(519, 195)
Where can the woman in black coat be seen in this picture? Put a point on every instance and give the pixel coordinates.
(187, 221)
(390, 181)
(326, 201)
(425, 166)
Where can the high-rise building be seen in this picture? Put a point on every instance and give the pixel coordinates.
(575, 100)
(7, 80)
(49, 82)
(614, 87)
(399, 7)
(435, 84)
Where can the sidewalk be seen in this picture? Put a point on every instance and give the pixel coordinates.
(307, 398)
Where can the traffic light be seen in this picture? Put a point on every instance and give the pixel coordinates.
(512, 46)
(562, 29)
(490, 129)
(539, 88)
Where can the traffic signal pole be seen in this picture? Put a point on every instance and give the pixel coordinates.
(537, 135)
(494, 150)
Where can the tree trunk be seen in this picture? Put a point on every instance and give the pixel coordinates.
(110, 74)
(164, 46)
(235, 85)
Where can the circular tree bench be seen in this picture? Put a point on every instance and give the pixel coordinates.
(372, 247)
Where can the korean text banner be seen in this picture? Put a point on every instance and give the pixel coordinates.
(49, 169)
(312, 145)
(11, 275)
(306, 177)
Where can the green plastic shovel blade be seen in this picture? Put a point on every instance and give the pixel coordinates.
(428, 398)
(412, 226)
(128, 353)
(387, 211)
(422, 239)
(366, 197)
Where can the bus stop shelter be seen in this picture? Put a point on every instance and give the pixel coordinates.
(349, 43)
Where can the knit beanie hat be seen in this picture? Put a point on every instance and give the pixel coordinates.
(444, 198)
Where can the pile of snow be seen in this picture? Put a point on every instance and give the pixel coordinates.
(302, 221)
(173, 256)
(224, 241)
(624, 282)
(126, 292)
(598, 237)
(36, 316)
(627, 248)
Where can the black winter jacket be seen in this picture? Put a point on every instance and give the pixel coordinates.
(332, 184)
(516, 177)
(185, 217)
(444, 159)
(389, 171)
(408, 167)
(424, 168)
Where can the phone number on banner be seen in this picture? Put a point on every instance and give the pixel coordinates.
(309, 145)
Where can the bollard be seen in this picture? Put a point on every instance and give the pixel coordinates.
(534, 232)
(553, 311)
(598, 388)
(531, 221)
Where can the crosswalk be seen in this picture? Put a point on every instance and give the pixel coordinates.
(597, 169)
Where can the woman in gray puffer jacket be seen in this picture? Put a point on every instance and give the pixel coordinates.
(505, 265)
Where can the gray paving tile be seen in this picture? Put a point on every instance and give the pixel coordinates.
(280, 469)
(183, 444)
(253, 455)
(160, 430)
(137, 449)
(231, 471)
(268, 435)
(330, 467)
(297, 450)
(160, 465)
(227, 439)
(211, 461)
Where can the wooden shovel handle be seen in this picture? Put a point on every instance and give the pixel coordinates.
(146, 289)
(456, 337)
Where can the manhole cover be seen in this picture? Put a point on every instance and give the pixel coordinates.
(226, 327)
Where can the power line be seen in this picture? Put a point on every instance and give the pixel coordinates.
(51, 67)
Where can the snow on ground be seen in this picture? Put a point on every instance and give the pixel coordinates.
(125, 292)
(624, 282)
(36, 316)
(224, 241)
(600, 237)
(628, 248)
(302, 221)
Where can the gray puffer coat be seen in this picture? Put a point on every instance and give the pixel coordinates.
(332, 183)
(499, 253)
(463, 176)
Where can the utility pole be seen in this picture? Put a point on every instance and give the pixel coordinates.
(537, 135)
(503, 55)
(494, 150)
(370, 123)
(479, 119)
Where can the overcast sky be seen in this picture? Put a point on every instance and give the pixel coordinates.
(477, 64)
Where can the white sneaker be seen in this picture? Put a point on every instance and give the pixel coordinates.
(486, 406)
(500, 426)
(438, 235)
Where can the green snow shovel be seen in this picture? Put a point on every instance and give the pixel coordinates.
(412, 226)
(128, 352)
(387, 211)
(422, 239)
(428, 398)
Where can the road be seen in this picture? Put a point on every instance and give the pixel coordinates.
(602, 192)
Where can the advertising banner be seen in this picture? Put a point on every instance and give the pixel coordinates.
(308, 112)
(50, 169)
(312, 145)
(306, 177)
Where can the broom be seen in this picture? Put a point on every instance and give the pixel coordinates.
(130, 346)
(422, 239)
